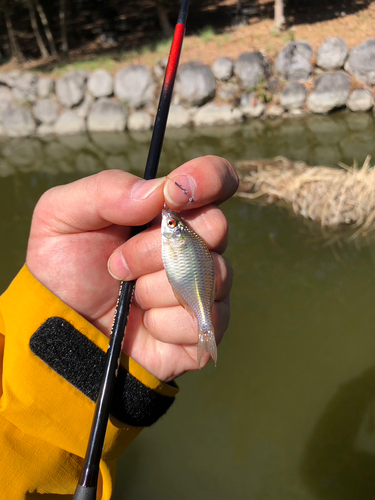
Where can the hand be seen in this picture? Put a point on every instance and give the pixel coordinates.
(80, 245)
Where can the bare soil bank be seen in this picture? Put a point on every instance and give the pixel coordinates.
(311, 21)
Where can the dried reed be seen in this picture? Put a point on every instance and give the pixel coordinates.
(332, 196)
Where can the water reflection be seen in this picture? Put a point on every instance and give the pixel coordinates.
(323, 140)
(288, 413)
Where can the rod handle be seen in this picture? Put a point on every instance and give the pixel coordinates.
(84, 493)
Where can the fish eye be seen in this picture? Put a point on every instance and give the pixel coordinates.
(171, 223)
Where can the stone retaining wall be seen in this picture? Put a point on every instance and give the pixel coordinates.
(228, 92)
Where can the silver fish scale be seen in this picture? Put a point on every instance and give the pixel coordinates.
(191, 273)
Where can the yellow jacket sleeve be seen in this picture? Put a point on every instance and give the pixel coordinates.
(49, 358)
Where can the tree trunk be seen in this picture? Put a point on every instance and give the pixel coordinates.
(34, 25)
(14, 47)
(46, 27)
(238, 8)
(163, 20)
(62, 17)
(279, 15)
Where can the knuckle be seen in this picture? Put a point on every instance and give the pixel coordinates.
(217, 227)
(220, 317)
(229, 272)
(44, 209)
(224, 276)
(151, 322)
(139, 253)
(143, 292)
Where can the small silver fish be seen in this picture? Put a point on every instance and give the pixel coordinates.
(191, 272)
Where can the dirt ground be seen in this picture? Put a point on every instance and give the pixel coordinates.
(354, 25)
(353, 20)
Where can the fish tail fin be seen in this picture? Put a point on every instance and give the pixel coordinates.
(206, 342)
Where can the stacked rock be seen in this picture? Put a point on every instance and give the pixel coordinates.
(227, 92)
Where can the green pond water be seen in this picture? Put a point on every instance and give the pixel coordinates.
(289, 412)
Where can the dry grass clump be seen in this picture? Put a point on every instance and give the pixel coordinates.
(331, 196)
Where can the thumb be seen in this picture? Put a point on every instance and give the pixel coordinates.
(95, 202)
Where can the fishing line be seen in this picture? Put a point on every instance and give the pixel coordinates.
(185, 191)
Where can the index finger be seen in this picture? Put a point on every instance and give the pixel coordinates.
(204, 180)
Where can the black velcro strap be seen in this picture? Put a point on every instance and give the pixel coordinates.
(79, 361)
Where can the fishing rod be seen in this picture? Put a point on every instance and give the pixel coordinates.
(88, 483)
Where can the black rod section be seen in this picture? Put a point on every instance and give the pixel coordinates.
(87, 486)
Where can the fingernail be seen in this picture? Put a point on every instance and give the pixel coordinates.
(179, 190)
(117, 267)
(142, 189)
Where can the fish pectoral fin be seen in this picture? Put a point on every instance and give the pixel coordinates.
(183, 303)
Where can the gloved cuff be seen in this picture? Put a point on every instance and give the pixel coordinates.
(52, 366)
(79, 361)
